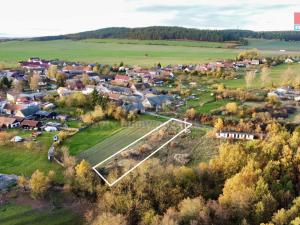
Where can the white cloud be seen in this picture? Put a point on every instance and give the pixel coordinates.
(36, 17)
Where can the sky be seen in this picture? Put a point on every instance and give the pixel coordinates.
(29, 18)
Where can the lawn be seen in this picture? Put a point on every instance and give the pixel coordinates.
(91, 136)
(16, 159)
(104, 139)
(209, 106)
(12, 214)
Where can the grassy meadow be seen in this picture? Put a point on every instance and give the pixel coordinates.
(15, 158)
(275, 77)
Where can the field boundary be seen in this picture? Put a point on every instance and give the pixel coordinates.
(187, 126)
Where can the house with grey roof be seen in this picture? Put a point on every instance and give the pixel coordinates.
(27, 112)
(156, 101)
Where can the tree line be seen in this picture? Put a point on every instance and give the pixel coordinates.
(177, 33)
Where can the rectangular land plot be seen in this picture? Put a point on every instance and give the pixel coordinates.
(117, 141)
(118, 165)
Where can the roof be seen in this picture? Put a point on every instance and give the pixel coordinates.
(7, 120)
(30, 123)
(122, 77)
(29, 111)
(158, 99)
(134, 107)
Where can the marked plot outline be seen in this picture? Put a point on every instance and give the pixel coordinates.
(118, 153)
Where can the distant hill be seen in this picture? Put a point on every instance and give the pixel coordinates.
(176, 33)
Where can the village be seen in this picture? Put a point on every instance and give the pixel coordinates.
(26, 100)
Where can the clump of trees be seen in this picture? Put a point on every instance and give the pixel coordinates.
(249, 54)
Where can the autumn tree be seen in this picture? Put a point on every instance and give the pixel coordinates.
(19, 85)
(109, 219)
(52, 71)
(39, 184)
(34, 82)
(191, 113)
(265, 76)
(249, 78)
(85, 79)
(61, 79)
(288, 77)
(219, 124)
(84, 177)
(22, 182)
(231, 107)
(249, 54)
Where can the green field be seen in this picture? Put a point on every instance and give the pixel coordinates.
(111, 52)
(12, 214)
(116, 141)
(184, 43)
(16, 159)
(278, 45)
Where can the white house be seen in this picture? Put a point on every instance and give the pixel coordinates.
(235, 135)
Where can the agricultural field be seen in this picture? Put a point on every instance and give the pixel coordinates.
(184, 43)
(12, 214)
(111, 52)
(114, 51)
(278, 45)
(15, 158)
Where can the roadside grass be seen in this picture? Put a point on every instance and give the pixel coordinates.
(12, 214)
(16, 159)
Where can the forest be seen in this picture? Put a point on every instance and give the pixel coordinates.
(177, 33)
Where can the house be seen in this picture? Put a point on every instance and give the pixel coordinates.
(289, 61)
(62, 91)
(27, 112)
(10, 108)
(31, 124)
(134, 107)
(235, 135)
(254, 62)
(121, 80)
(45, 114)
(11, 96)
(8, 122)
(156, 101)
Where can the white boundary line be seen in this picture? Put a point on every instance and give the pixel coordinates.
(188, 125)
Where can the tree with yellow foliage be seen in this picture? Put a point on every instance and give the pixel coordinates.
(39, 184)
(84, 176)
(231, 107)
(219, 124)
